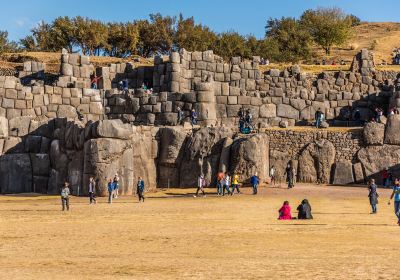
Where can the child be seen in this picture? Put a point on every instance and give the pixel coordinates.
(285, 212)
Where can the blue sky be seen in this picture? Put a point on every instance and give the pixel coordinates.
(245, 16)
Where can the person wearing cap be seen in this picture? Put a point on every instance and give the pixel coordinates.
(65, 192)
(116, 185)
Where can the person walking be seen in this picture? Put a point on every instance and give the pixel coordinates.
(65, 192)
(116, 185)
(272, 176)
(373, 195)
(92, 190)
(201, 183)
(110, 188)
(396, 195)
(289, 172)
(235, 184)
(140, 189)
(226, 182)
(255, 181)
(220, 177)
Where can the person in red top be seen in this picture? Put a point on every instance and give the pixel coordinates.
(94, 81)
(220, 177)
(385, 176)
(285, 212)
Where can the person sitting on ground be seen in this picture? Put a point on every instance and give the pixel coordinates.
(304, 210)
(285, 212)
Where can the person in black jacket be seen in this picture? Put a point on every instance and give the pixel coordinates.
(318, 118)
(304, 210)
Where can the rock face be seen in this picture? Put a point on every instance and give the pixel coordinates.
(393, 130)
(250, 155)
(113, 129)
(343, 174)
(374, 133)
(15, 173)
(376, 158)
(316, 162)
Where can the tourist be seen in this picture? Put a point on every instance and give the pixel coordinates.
(92, 190)
(226, 182)
(285, 212)
(110, 188)
(373, 195)
(193, 117)
(220, 177)
(249, 117)
(272, 175)
(180, 115)
(65, 192)
(94, 82)
(357, 117)
(125, 85)
(144, 87)
(116, 185)
(379, 114)
(255, 181)
(385, 177)
(235, 184)
(318, 118)
(201, 183)
(396, 195)
(289, 172)
(304, 210)
(140, 189)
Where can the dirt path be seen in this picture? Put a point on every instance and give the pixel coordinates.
(175, 236)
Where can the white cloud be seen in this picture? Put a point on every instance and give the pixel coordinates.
(20, 22)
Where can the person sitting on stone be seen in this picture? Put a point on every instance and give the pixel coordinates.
(304, 210)
(180, 115)
(285, 212)
(193, 117)
(94, 82)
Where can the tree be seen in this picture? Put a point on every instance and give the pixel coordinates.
(327, 26)
(90, 35)
(62, 34)
(5, 44)
(155, 35)
(122, 39)
(230, 44)
(41, 34)
(287, 37)
(28, 43)
(354, 20)
(193, 37)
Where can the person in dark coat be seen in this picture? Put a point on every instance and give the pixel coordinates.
(289, 172)
(304, 210)
(373, 195)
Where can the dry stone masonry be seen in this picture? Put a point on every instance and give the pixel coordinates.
(59, 130)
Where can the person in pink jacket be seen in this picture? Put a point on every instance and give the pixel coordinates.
(285, 212)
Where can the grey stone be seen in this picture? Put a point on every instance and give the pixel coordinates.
(374, 133)
(113, 129)
(343, 173)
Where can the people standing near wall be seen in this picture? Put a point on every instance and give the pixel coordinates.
(385, 177)
(92, 190)
(140, 189)
(110, 188)
(396, 195)
(235, 184)
(226, 182)
(65, 192)
(116, 185)
(201, 183)
(373, 195)
(220, 177)
(272, 176)
(318, 116)
(193, 117)
(255, 181)
(289, 172)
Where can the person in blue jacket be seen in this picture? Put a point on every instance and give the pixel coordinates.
(255, 181)
(140, 189)
(110, 188)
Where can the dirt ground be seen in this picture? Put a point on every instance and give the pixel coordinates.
(176, 236)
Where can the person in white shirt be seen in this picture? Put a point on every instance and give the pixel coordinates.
(226, 182)
(272, 175)
(201, 183)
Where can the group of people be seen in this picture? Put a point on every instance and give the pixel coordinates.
(227, 184)
(304, 211)
(181, 116)
(245, 121)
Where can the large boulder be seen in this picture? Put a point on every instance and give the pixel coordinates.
(343, 173)
(287, 111)
(279, 160)
(250, 155)
(113, 129)
(316, 162)
(376, 158)
(15, 173)
(374, 133)
(3, 127)
(225, 155)
(393, 130)
(19, 126)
